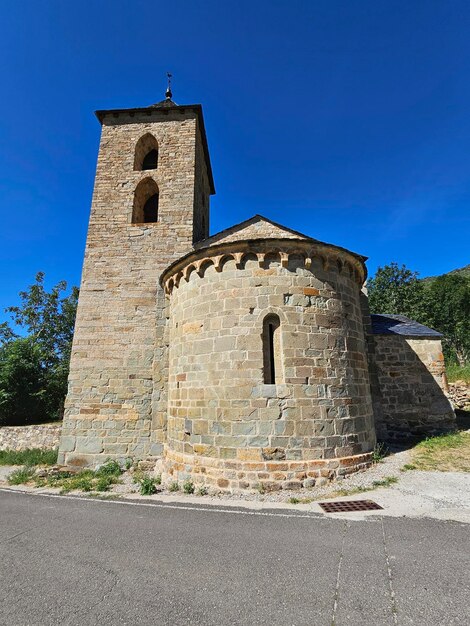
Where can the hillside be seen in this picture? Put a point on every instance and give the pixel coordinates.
(463, 271)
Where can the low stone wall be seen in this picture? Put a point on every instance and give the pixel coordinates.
(44, 436)
(412, 387)
(459, 393)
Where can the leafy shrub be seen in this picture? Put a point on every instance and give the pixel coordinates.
(110, 468)
(148, 486)
(202, 491)
(174, 486)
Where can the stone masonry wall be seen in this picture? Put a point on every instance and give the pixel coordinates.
(116, 404)
(412, 382)
(43, 436)
(225, 426)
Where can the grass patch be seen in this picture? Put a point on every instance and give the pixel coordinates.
(340, 493)
(445, 453)
(294, 500)
(456, 372)
(29, 457)
(86, 480)
(174, 487)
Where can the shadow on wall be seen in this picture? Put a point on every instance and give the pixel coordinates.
(409, 396)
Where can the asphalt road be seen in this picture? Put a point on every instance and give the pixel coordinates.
(77, 561)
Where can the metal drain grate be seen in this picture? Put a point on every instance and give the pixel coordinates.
(348, 506)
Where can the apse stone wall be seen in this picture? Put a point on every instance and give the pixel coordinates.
(225, 425)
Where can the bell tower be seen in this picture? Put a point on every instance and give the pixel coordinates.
(150, 205)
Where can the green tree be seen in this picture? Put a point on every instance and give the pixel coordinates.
(23, 387)
(442, 304)
(34, 369)
(397, 290)
(449, 313)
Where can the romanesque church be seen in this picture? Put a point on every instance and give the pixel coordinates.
(240, 359)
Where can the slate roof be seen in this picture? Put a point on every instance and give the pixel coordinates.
(400, 325)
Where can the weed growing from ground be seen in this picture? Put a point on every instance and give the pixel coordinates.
(379, 452)
(188, 487)
(202, 491)
(174, 487)
(386, 482)
(21, 475)
(294, 500)
(407, 466)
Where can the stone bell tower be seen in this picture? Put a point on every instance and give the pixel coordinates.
(150, 204)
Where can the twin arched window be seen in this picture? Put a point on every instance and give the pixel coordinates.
(272, 364)
(145, 209)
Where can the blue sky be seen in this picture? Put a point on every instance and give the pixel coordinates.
(349, 121)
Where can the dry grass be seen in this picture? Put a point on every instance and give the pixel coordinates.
(446, 453)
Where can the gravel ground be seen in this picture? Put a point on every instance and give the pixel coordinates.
(388, 467)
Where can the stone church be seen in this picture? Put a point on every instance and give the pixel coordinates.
(240, 359)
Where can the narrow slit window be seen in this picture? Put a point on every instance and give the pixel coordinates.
(271, 350)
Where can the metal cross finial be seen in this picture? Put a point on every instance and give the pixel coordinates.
(168, 92)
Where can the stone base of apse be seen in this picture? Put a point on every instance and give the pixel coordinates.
(239, 475)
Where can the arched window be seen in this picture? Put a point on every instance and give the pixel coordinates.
(272, 365)
(146, 153)
(145, 209)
